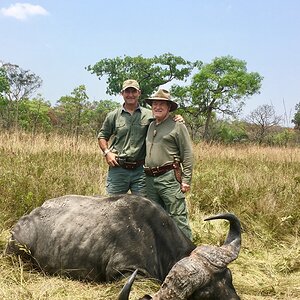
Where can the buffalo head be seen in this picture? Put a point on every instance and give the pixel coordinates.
(202, 275)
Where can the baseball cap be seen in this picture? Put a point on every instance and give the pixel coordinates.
(130, 83)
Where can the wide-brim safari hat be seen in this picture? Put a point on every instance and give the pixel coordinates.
(162, 95)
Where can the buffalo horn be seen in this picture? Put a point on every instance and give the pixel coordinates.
(124, 294)
(230, 249)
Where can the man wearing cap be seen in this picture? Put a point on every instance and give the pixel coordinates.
(169, 160)
(125, 155)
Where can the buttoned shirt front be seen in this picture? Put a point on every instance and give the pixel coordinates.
(127, 132)
(166, 141)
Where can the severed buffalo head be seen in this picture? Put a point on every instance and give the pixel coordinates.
(202, 275)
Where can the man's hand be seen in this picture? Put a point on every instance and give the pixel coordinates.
(111, 159)
(185, 187)
(179, 118)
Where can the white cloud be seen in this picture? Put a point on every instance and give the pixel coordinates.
(22, 11)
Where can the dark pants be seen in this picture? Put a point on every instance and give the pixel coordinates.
(120, 181)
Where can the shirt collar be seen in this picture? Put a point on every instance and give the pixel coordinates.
(138, 108)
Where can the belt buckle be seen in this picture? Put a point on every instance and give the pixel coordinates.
(130, 165)
(121, 161)
(155, 171)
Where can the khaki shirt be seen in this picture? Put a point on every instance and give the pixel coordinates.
(127, 132)
(167, 140)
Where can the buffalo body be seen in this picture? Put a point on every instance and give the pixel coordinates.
(100, 238)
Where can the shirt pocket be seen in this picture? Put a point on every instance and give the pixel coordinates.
(121, 128)
(140, 129)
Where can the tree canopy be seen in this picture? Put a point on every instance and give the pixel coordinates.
(220, 86)
(149, 72)
(296, 119)
(4, 83)
(263, 119)
(22, 83)
(18, 85)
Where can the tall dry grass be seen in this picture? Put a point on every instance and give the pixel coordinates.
(260, 185)
(35, 169)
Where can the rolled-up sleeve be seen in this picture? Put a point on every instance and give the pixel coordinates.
(108, 127)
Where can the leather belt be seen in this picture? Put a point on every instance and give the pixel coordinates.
(130, 165)
(157, 171)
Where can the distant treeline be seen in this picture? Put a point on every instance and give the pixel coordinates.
(218, 88)
(74, 118)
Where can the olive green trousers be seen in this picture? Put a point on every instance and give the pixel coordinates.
(165, 190)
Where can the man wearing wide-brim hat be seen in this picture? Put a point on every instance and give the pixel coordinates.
(162, 95)
(169, 160)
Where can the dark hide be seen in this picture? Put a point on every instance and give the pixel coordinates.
(100, 238)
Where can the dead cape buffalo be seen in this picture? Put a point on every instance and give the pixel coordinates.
(103, 238)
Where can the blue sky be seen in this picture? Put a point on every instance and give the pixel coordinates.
(57, 39)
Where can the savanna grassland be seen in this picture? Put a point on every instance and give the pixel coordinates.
(261, 185)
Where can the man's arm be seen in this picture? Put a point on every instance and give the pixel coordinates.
(105, 133)
(186, 156)
(103, 144)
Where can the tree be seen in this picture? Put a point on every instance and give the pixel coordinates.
(22, 84)
(149, 72)
(34, 115)
(71, 109)
(4, 83)
(190, 114)
(94, 114)
(102, 108)
(263, 118)
(229, 132)
(296, 119)
(221, 86)
(4, 88)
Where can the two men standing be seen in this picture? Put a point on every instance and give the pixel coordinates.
(166, 150)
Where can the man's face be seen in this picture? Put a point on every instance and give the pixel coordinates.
(131, 95)
(160, 109)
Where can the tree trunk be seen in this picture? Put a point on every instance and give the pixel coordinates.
(207, 123)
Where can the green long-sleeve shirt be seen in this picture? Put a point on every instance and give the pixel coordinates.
(127, 132)
(166, 140)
